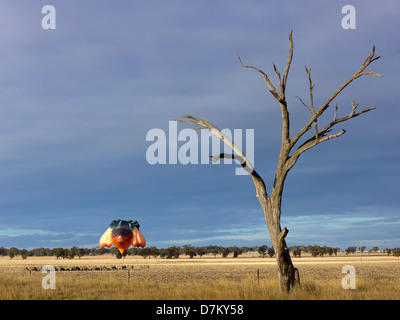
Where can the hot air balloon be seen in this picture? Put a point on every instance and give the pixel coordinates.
(122, 234)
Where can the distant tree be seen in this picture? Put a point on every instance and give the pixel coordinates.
(303, 249)
(225, 252)
(133, 251)
(329, 250)
(189, 251)
(80, 252)
(214, 250)
(335, 251)
(323, 250)
(145, 252)
(262, 250)
(388, 251)
(271, 251)
(314, 251)
(154, 251)
(374, 249)
(236, 251)
(58, 252)
(396, 252)
(309, 248)
(74, 249)
(173, 252)
(70, 254)
(350, 250)
(23, 253)
(320, 251)
(245, 249)
(201, 251)
(3, 251)
(362, 248)
(101, 251)
(163, 253)
(12, 252)
(296, 251)
(253, 249)
(37, 252)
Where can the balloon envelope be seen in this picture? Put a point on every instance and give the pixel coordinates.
(122, 234)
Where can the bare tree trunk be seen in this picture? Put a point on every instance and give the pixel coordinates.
(288, 274)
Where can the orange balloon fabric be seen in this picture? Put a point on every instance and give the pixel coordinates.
(122, 234)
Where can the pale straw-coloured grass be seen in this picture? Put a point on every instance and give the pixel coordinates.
(248, 289)
(201, 279)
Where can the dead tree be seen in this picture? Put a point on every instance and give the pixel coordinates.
(289, 153)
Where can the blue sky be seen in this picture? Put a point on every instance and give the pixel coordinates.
(77, 102)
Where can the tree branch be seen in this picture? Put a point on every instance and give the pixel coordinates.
(289, 61)
(278, 75)
(214, 130)
(242, 161)
(280, 96)
(372, 57)
(266, 79)
(309, 109)
(240, 156)
(311, 88)
(282, 236)
(322, 136)
(351, 115)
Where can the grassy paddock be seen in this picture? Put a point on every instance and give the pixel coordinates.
(30, 288)
(198, 279)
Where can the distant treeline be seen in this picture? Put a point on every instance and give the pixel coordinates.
(187, 250)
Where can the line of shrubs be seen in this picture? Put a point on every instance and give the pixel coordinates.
(187, 250)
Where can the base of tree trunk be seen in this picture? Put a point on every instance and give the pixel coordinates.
(289, 280)
(288, 275)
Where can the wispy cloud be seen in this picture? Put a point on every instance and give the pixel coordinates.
(228, 237)
(368, 224)
(26, 232)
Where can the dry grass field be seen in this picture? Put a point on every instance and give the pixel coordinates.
(245, 277)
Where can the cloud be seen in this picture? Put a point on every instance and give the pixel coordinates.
(228, 237)
(10, 232)
(371, 225)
